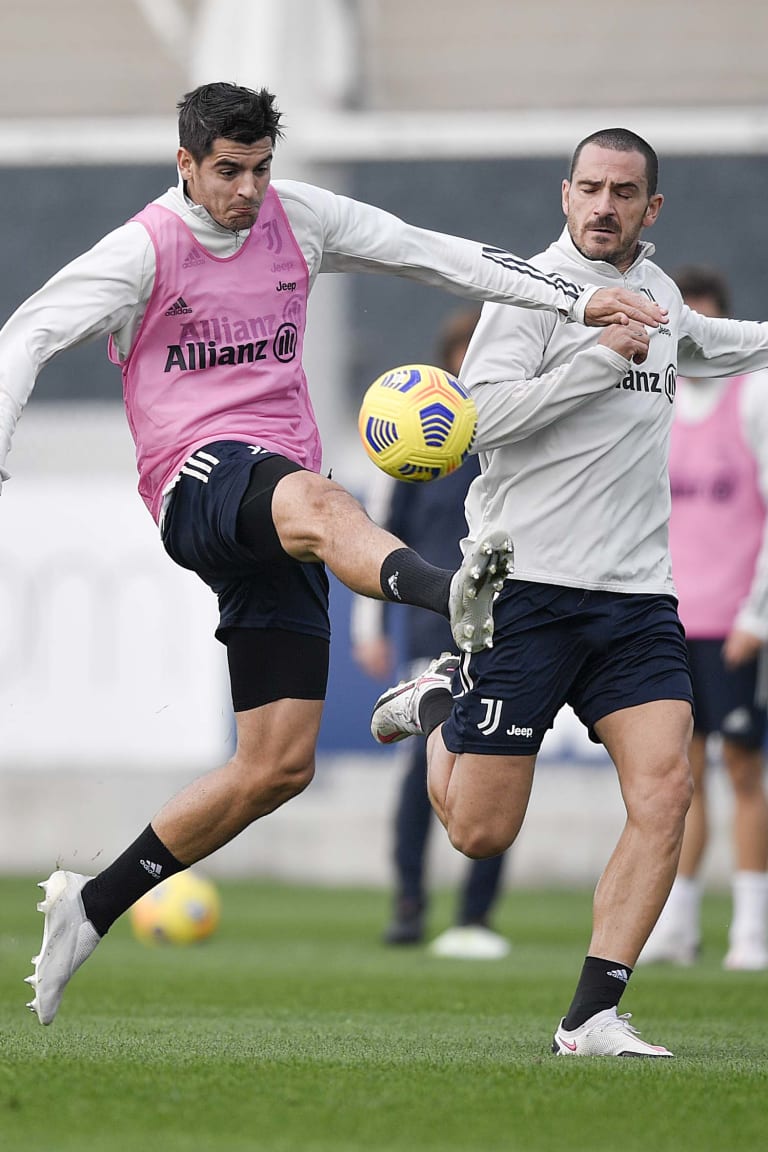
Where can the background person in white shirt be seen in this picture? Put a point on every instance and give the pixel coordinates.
(719, 543)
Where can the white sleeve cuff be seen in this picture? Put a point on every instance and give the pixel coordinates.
(579, 308)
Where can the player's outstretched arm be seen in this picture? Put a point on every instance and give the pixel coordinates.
(620, 306)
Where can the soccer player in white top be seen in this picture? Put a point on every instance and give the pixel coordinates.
(573, 440)
(203, 297)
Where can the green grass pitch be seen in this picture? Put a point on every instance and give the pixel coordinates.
(295, 1030)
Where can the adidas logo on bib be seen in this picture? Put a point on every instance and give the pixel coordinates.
(180, 308)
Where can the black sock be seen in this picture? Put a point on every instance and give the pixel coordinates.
(435, 707)
(601, 985)
(142, 866)
(408, 579)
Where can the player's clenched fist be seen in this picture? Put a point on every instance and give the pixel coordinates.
(629, 340)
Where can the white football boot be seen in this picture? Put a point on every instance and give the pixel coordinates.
(604, 1034)
(68, 940)
(475, 587)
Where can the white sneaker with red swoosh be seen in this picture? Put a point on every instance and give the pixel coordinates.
(605, 1034)
(396, 712)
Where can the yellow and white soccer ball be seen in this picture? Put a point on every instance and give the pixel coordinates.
(184, 909)
(417, 422)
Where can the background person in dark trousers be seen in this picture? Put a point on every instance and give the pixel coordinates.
(430, 517)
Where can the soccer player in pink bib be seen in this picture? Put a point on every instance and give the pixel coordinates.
(203, 297)
(718, 536)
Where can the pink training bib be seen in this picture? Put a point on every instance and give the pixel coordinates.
(218, 355)
(716, 525)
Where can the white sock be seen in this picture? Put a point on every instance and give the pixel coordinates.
(681, 914)
(677, 929)
(750, 909)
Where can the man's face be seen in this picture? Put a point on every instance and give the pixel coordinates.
(607, 204)
(230, 182)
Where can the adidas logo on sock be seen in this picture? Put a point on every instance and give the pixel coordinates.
(193, 258)
(155, 869)
(619, 974)
(180, 308)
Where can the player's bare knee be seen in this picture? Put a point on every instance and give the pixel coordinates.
(661, 807)
(675, 799)
(306, 509)
(266, 786)
(331, 507)
(681, 787)
(292, 776)
(479, 842)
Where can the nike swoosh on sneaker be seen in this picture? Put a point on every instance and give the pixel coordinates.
(569, 1044)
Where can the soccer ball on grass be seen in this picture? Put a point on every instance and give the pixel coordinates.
(184, 909)
(417, 422)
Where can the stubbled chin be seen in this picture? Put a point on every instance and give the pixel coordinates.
(595, 249)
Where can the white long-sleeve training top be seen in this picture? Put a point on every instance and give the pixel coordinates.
(574, 439)
(105, 291)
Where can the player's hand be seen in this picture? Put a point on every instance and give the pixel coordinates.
(740, 647)
(620, 306)
(375, 656)
(629, 340)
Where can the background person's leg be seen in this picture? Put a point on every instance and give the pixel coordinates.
(413, 817)
(748, 931)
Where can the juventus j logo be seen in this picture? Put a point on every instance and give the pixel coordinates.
(490, 721)
(273, 237)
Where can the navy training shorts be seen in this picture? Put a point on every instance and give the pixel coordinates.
(599, 652)
(256, 588)
(731, 701)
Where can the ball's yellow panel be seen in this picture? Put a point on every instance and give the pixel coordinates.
(417, 422)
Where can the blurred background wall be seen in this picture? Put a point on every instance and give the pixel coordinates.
(460, 118)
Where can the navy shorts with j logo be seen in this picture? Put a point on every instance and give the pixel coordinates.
(599, 652)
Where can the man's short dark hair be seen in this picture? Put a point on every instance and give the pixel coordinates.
(702, 280)
(622, 140)
(229, 111)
